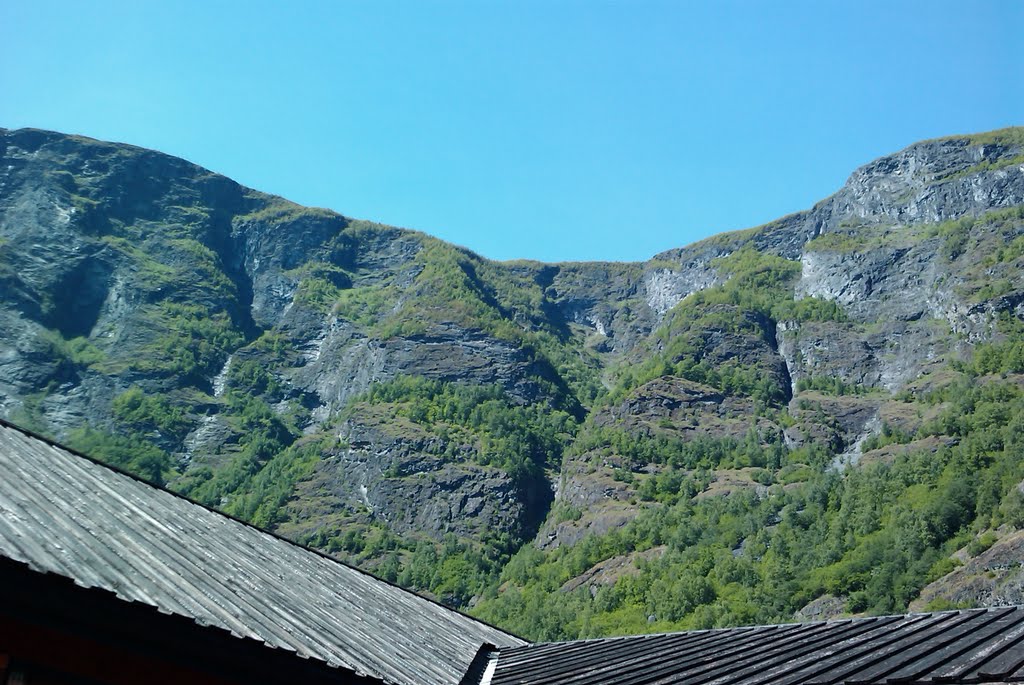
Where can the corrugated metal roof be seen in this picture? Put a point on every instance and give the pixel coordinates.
(65, 514)
(971, 646)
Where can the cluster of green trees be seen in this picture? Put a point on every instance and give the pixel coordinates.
(456, 571)
(698, 452)
(146, 421)
(889, 435)
(873, 535)
(1005, 355)
(192, 343)
(521, 439)
(243, 485)
(129, 452)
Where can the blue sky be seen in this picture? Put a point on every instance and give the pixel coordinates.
(548, 129)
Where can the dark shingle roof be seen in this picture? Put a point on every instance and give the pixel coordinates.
(62, 513)
(971, 646)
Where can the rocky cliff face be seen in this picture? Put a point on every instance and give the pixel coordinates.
(234, 340)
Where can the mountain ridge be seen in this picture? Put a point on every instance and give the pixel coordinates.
(444, 419)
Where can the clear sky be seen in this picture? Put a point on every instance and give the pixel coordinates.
(547, 129)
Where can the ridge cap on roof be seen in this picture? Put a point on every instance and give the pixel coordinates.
(116, 469)
(757, 626)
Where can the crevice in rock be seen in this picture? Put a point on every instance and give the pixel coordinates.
(78, 297)
(770, 328)
(230, 249)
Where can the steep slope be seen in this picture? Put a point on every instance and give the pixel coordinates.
(224, 340)
(722, 408)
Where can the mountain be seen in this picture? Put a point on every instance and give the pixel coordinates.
(820, 415)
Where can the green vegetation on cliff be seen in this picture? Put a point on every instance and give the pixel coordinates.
(758, 292)
(565, 449)
(480, 421)
(873, 535)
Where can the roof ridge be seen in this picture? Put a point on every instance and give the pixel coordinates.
(698, 631)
